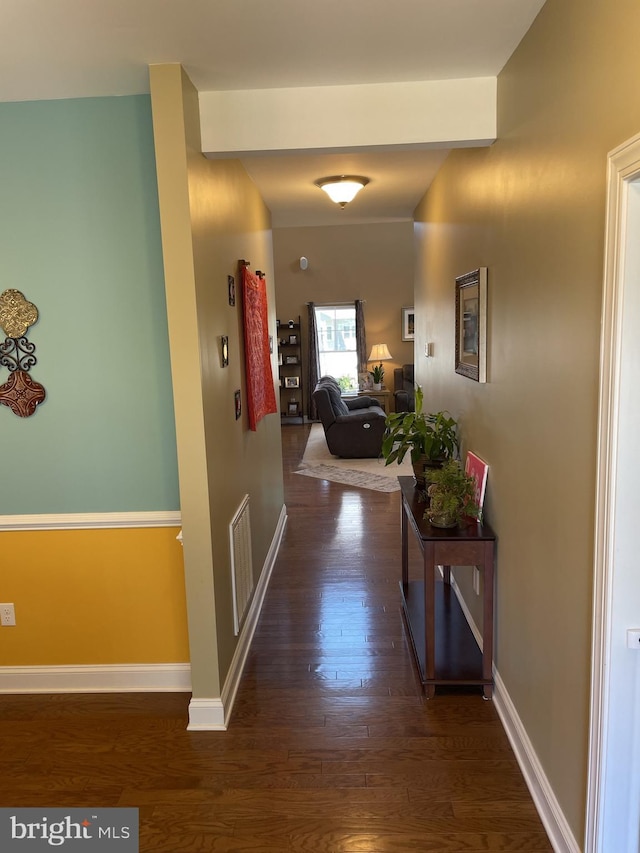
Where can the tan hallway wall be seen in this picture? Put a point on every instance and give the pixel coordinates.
(531, 209)
(212, 215)
(348, 262)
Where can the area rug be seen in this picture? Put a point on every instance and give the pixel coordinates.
(362, 473)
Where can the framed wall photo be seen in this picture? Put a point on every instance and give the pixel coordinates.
(408, 324)
(293, 339)
(291, 381)
(471, 325)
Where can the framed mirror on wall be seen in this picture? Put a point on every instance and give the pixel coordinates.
(471, 325)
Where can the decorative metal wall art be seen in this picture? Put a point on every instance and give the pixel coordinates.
(17, 354)
(16, 314)
(20, 393)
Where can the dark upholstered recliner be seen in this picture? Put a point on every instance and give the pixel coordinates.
(404, 388)
(353, 427)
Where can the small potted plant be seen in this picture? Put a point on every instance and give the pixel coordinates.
(431, 439)
(377, 374)
(451, 496)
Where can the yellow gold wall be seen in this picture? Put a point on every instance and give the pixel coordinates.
(94, 597)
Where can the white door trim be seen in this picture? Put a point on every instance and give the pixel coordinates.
(622, 167)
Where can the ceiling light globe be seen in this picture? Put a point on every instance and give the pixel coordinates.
(342, 188)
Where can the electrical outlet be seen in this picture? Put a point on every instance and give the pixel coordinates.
(7, 615)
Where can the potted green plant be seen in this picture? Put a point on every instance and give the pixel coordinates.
(377, 374)
(451, 496)
(431, 439)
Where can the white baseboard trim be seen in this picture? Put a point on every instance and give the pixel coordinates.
(544, 799)
(109, 678)
(548, 807)
(90, 520)
(214, 714)
(206, 715)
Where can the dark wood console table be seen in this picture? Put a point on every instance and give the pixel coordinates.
(443, 644)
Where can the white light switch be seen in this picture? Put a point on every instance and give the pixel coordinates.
(633, 638)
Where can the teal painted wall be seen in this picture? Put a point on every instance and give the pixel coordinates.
(80, 237)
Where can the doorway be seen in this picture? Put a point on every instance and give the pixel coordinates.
(613, 807)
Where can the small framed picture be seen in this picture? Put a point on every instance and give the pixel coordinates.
(365, 382)
(280, 359)
(479, 470)
(292, 408)
(291, 359)
(238, 403)
(224, 351)
(291, 381)
(231, 284)
(471, 325)
(408, 324)
(293, 339)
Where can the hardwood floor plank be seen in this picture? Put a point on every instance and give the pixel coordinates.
(331, 748)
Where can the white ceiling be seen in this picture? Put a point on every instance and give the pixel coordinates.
(84, 48)
(398, 181)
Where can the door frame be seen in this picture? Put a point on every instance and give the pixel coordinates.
(623, 167)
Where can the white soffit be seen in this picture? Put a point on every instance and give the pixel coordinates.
(430, 113)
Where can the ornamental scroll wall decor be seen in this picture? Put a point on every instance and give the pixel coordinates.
(20, 393)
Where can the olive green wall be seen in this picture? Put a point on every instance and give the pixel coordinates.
(369, 262)
(531, 209)
(211, 216)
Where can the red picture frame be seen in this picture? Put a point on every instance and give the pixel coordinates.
(479, 470)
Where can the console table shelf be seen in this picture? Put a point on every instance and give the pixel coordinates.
(458, 660)
(443, 644)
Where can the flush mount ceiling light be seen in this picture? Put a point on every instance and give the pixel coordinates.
(342, 188)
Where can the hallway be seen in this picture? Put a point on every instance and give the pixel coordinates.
(331, 747)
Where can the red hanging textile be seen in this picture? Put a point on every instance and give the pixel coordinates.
(261, 396)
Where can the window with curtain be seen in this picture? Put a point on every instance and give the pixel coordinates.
(337, 350)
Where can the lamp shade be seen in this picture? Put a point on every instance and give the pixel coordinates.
(380, 352)
(342, 188)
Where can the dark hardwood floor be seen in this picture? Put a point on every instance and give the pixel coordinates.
(331, 747)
